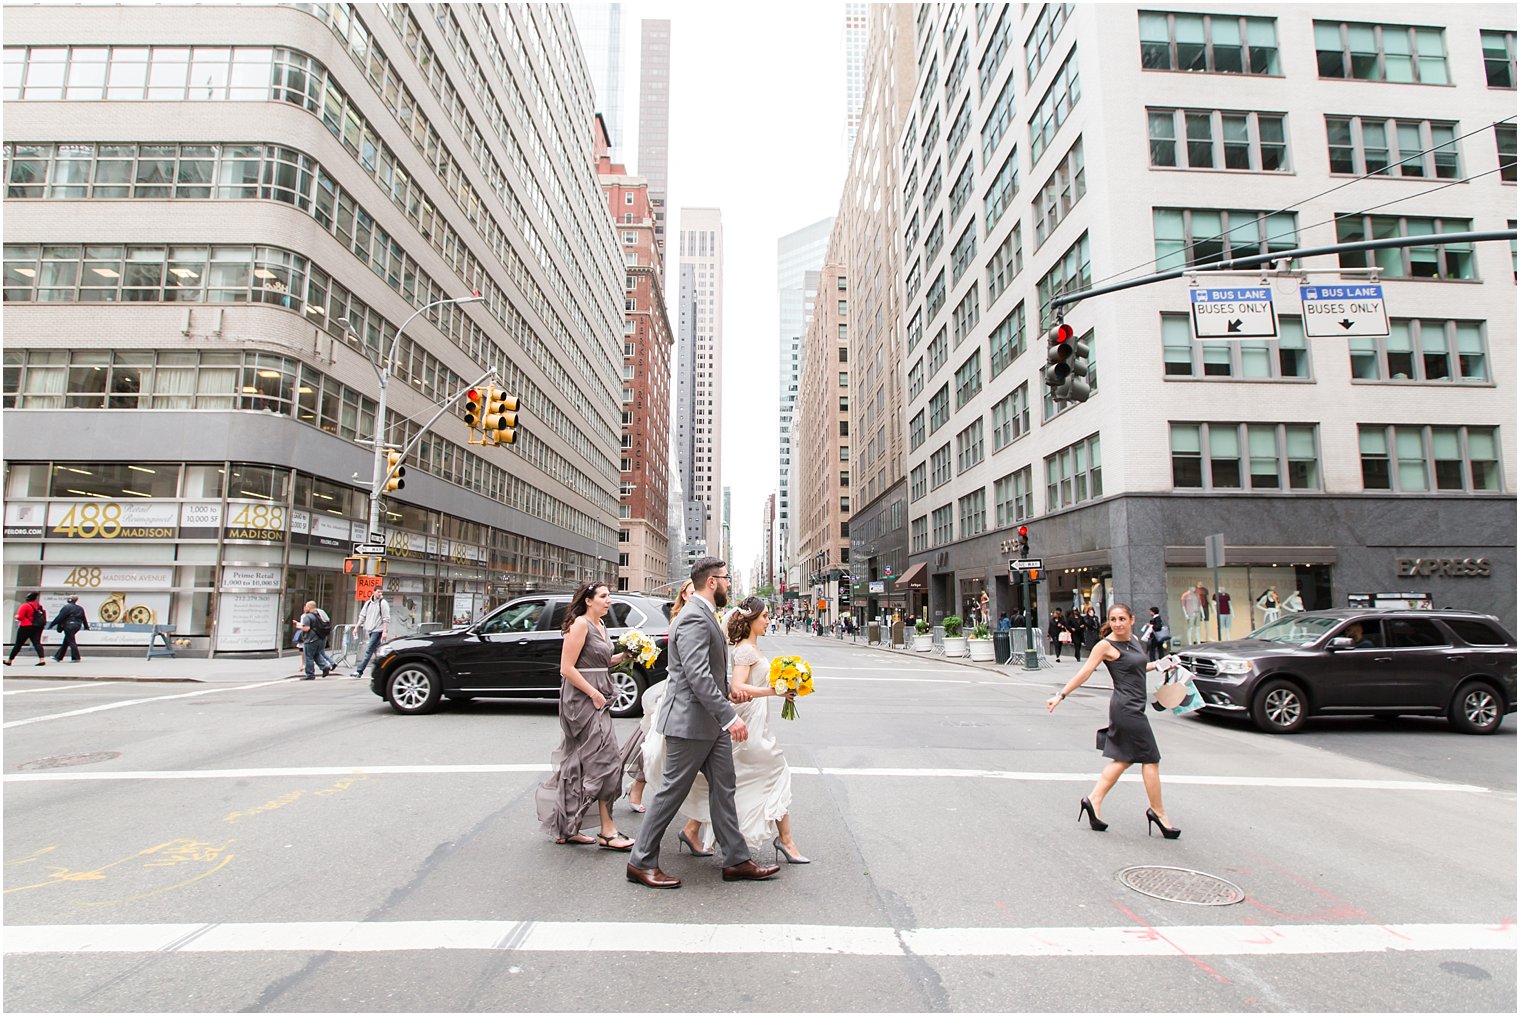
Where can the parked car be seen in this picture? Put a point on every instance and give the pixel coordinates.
(513, 652)
(1454, 663)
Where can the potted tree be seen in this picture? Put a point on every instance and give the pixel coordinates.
(923, 638)
(980, 645)
(955, 643)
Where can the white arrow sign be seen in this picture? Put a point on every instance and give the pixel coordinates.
(1235, 313)
(1343, 310)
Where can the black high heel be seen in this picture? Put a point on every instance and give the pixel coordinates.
(695, 850)
(1168, 831)
(1092, 816)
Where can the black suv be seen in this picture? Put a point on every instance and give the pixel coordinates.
(1452, 663)
(513, 652)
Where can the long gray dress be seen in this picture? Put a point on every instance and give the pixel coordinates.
(1128, 737)
(587, 765)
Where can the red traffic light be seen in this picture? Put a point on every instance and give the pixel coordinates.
(472, 395)
(1064, 332)
(1023, 530)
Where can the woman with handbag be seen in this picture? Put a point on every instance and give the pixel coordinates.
(1127, 739)
(1059, 634)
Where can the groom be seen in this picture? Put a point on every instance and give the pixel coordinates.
(699, 726)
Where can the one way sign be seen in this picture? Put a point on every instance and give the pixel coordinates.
(1343, 310)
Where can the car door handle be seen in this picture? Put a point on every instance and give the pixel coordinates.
(522, 642)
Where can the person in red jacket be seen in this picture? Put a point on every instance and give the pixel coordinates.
(30, 619)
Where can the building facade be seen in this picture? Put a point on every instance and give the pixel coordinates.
(644, 497)
(856, 17)
(217, 219)
(654, 115)
(1051, 147)
(600, 30)
(700, 376)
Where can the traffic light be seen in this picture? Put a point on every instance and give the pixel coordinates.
(1067, 365)
(1023, 541)
(395, 472)
(472, 407)
(500, 421)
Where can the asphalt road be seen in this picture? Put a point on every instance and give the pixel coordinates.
(287, 846)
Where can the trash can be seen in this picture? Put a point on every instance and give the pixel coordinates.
(1002, 646)
(873, 632)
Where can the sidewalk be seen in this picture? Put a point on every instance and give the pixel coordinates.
(223, 669)
(1055, 675)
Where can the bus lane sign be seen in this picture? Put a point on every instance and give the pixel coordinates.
(1343, 309)
(1233, 313)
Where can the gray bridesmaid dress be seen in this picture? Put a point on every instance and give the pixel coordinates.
(1128, 737)
(588, 764)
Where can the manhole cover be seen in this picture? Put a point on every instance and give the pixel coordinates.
(1182, 885)
(81, 759)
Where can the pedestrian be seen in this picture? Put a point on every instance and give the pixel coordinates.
(70, 621)
(633, 751)
(1004, 624)
(1078, 632)
(1127, 739)
(1157, 636)
(315, 627)
(375, 618)
(30, 620)
(588, 764)
(1055, 630)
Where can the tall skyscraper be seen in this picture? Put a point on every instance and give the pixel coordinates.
(600, 28)
(701, 374)
(727, 553)
(654, 115)
(799, 256)
(855, 30)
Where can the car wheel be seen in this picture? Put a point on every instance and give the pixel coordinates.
(414, 689)
(1477, 709)
(627, 690)
(1279, 707)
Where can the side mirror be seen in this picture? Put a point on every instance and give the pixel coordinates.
(1340, 643)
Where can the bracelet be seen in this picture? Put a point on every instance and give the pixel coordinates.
(1062, 694)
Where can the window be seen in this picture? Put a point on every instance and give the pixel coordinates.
(1239, 456)
(934, 302)
(1014, 497)
(944, 525)
(844, 428)
(1060, 98)
(1010, 418)
(910, 232)
(968, 379)
(1286, 357)
(973, 512)
(1476, 633)
(1218, 139)
(1504, 139)
(931, 137)
(1073, 475)
(1198, 236)
(1437, 261)
(967, 313)
(918, 481)
(1499, 58)
(1365, 52)
(1073, 272)
(1047, 28)
(916, 431)
(919, 537)
(957, 72)
(1364, 145)
(844, 379)
(1007, 340)
(939, 407)
(915, 330)
(959, 128)
(1006, 263)
(970, 447)
(1001, 191)
(939, 466)
(1446, 352)
(992, 58)
(915, 379)
(964, 251)
(914, 280)
(1061, 192)
(1208, 43)
(939, 351)
(1416, 458)
(997, 122)
(934, 239)
(960, 191)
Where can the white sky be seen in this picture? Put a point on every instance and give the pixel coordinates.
(757, 130)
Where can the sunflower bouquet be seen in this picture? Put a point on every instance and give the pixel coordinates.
(639, 647)
(791, 675)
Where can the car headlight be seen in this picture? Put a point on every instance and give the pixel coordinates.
(1234, 667)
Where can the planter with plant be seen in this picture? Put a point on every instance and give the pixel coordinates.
(923, 638)
(955, 643)
(980, 646)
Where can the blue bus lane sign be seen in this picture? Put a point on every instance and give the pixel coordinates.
(1234, 313)
(1343, 309)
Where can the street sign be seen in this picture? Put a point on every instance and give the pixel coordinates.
(1213, 551)
(365, 585)
(1343, 310)
(376, 537)
(369, 549)
(1234, 313)
(1024, 564)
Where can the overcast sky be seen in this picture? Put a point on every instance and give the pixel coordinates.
(757, 130)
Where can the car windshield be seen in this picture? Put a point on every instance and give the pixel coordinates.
(1295, 630)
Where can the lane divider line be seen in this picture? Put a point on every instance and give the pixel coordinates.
(124, 703)
(67, 685)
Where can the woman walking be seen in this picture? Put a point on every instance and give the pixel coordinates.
(1054, 630)
(30, 620)
(587, 765)
(1078, 633)
(1127, 739)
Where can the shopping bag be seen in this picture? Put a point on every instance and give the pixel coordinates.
(1177, 692)
(1064, 638)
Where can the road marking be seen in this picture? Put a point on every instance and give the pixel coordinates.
(817, 939)
(1294, 782)
(134, 702)
(68, 686)
(910, 680)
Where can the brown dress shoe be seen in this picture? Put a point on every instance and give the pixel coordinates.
(654, 878)
(749, 871)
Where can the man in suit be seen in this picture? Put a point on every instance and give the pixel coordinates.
(700, 727)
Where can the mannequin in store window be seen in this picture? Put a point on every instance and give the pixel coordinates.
(1270, 605)
(1222, 605)
(1293, 603)
(1192, 613)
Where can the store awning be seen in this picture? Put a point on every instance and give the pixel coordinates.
(914, 576)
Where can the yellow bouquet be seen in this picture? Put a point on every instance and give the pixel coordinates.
(791, 675)
(639, 647)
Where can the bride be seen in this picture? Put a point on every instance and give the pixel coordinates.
(763, 783)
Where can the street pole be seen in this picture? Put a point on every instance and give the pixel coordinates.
(1031, 654)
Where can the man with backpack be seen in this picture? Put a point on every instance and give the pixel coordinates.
(316, 628)
(71, 620)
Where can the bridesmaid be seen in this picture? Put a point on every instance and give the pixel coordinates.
(633, 751)
(587, 765)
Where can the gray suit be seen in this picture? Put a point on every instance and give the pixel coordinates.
(692, 717)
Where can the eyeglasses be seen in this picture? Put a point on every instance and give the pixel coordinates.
(723, 577)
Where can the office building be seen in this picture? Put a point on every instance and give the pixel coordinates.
(856, 17)
(699, 368)
(654, 115)
(600, 30)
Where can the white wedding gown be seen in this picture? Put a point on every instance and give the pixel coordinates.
(762, 781)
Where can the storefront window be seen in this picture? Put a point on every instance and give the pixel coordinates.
(1246, 598)
(114, 481)
(271, 483)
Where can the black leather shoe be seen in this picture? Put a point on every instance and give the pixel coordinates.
(654, 878)
(749, 871)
